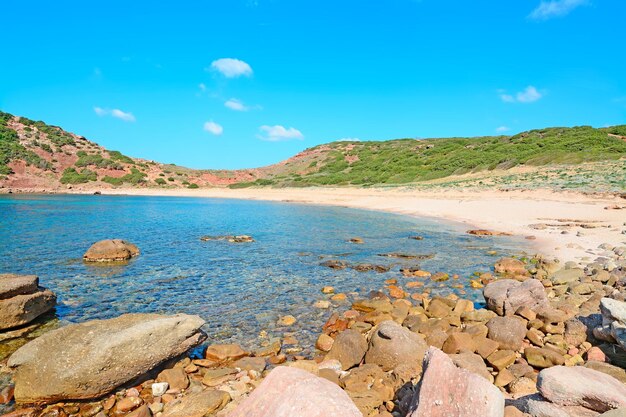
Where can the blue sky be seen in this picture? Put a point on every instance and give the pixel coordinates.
(243, 83)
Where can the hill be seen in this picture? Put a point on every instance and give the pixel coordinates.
(37, 156)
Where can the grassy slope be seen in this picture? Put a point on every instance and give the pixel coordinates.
(407, 160)
(391, 162)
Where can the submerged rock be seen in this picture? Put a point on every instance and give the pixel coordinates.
(229, 238)
(446, 390)
(290, 392)
(111, 250)
(89, 360)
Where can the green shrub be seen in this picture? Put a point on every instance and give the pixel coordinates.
(170, 179)
(11, 148)
(193, 186)
(118, 156)
(135, 177)
(71, 176)
(160, 181)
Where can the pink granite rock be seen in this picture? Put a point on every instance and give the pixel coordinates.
(290, 392)
(578, 385)
(446, 390)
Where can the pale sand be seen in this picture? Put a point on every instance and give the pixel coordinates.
(512, 212)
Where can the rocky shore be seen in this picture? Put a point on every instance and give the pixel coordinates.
(548, 341)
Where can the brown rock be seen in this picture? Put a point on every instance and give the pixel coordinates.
(543, 357)
(473, 363)
(459, 342)
(225, 353)
(199, 404)
(324, 342)
(506, 296)
(349, 348)
(510, 266)
(501, 359)
(111, 250)
(509, 332)
(22, 309)
(142, 411)
(12, 285)
(485, 347)
(175, 377)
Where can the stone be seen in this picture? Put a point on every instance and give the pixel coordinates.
(90, 359)
(176, 378)
(509, 332)
(543, 357)
(348, 348)
(485, 347)
(159, 388)
(22, 309)
(506, 296)
(12, 285)
(580, 386)
(199, 404)
(473, 363)
(446, 390)
(289, 392)
(621, 412)
(111, 250)
(510, 266)
(215, 377)
(225, 353)
(142, 411)
(522, 386)
(328, 290)
(459, 342)
(251, 364)
(287, 320)
(392, 345)
(566, 276)
(612, 370)
(575, 332)
(501, 359)
(128, 403)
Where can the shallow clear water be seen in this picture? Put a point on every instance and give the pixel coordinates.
(239, 289)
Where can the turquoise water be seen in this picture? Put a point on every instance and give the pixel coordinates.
(239, 289)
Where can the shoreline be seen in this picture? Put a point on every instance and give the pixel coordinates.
(565, 225)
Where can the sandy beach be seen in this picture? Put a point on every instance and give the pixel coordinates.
(568, 226)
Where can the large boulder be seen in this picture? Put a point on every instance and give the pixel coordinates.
(392, 345)
(111, 250)
(577, 385)
(509, 332)
(22, 300)
(348, 348)
(12, 285)
(89, 360)
(613, 326)
(505, 296)
(289, 392)
(446, 390)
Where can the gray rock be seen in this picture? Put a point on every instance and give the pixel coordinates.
(89, 360)
(505, 296)
(509, 332)
(567, 276)
(392, 345)
(580, 386)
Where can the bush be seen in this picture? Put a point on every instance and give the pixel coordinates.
(118, 156)
(11, 148)
(193, 186)
(135, 177)
(71, 176)
(160, 181)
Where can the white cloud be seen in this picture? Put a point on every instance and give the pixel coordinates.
(548, 9)
(279, 133)
(202, 87)
(502, 129)
(236, 105)
(528, 95)
(231, 68)
(117, 113)
(213, 128)
(348, 140)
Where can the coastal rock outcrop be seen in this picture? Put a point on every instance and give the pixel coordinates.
(288, 392)
(446, 390)
(111, 250)
(613, 327)
(90, 359)
(22, 300)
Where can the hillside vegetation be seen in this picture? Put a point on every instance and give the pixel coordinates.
(409, 160)
(35, 155)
